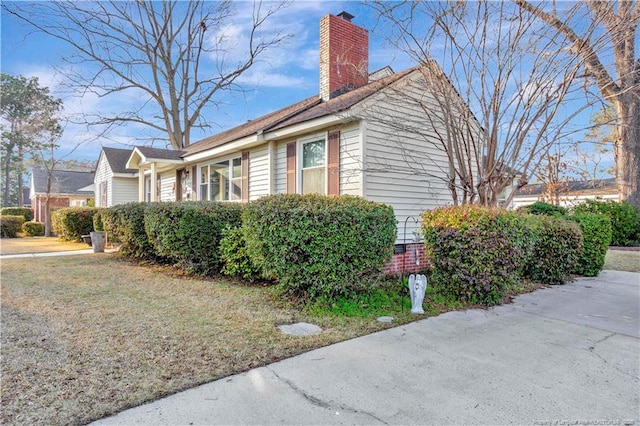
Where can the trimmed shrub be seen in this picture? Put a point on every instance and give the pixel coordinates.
(475, 253)
(70, 223)
(97, 222)
(316, 245)
(237, 262)
(189, 233)
(10, 225)
(625, 226)
(33, 229)
(556, 250)
(596, 236)
(17, 211)
(542, 208)
(124, 224)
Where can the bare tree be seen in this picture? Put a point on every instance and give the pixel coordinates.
(620, 22)
(590, 158)
(552, 173)
(174, 57)
(45, 158)
(497, 94)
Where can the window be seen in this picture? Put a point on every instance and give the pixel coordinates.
(103, 194)
(313, 167)
(221, 181)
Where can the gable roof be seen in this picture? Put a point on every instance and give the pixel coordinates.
(302, 111)
(158, 153)
(117, 159)
(146, 155)
(62, 181)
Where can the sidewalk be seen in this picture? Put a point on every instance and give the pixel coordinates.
(562, 354)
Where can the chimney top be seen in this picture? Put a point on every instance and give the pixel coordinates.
(346, 16)
(344, 55)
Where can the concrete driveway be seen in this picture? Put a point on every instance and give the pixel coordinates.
(562, 355)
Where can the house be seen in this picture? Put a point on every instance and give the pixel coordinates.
(568, 194)
(344, 141)
(68, 189)
(114, 183)
(26, 201)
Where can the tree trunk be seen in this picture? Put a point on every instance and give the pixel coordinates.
(47, 206)
(7, 176)
(628, 148)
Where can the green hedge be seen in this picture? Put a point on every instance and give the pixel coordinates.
(71, 223)
(316, 245)
(542, 208)
(33, 229)
(97, 222)
(124, 224)
(189, 233)
(475, 253)
(17, 211)
(237, 262)
(596, 236)
(10, 225)
(556, 250)
(625, 225)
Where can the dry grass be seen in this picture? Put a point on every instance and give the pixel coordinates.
(87, 336)
(37, 245)
(622, 260)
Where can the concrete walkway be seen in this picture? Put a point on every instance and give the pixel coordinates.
(561, 355)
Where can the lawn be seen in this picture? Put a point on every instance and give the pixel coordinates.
(87, 336)
(623, 260)
(37, 245)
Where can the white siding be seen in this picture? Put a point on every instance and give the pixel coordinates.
(123, 190)
(103, 174)
(404, 168)
(168, 186)
(281, 167)
(350, 161)
(258, 172)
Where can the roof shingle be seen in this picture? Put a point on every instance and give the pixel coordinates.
(117, 159)
(62, 181)
(305, 110)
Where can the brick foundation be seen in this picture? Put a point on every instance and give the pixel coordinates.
(407, 262)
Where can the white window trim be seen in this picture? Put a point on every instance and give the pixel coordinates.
(299, 160)
(228, 158)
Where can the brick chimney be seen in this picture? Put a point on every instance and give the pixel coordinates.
(344, 55)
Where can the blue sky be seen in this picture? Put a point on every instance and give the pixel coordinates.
(287, 74)
(284, 76)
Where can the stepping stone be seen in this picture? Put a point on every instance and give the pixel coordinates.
(300, 329)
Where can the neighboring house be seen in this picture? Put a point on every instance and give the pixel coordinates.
(26, 201)
(114, 183)
(340, 142)
(68, 189)
(569, 194)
